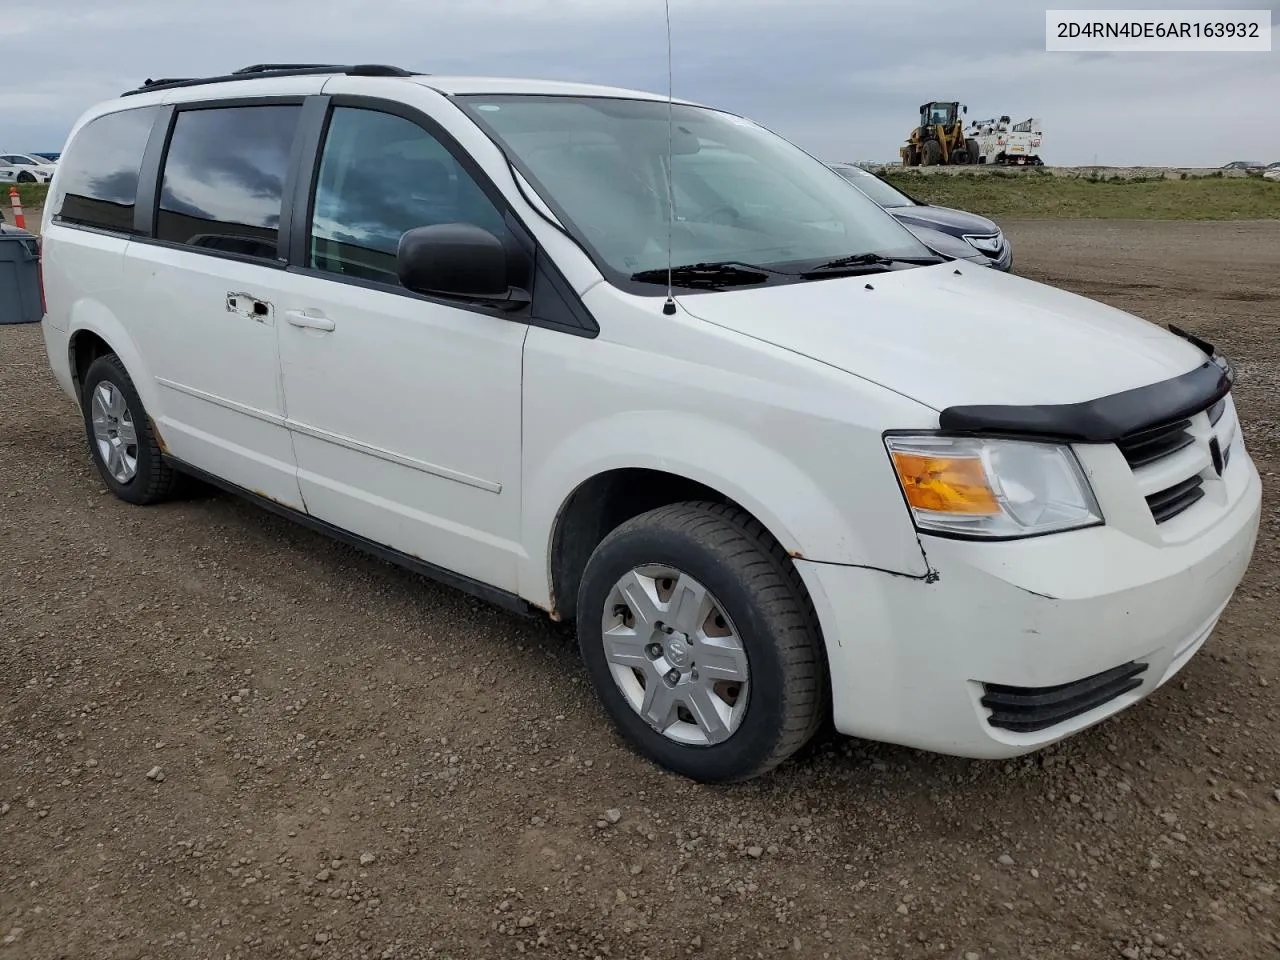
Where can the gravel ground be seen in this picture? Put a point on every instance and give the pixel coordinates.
(222, 736)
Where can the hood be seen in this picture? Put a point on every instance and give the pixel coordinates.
(957, 334)
(951, 221)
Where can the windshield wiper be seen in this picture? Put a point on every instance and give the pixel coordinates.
(707, 275)
(866, 263)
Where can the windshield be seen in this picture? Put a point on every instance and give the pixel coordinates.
(874, 187)
(741, 194)
(940, 113)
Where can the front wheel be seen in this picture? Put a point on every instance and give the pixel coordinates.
(25, 177)
(701, 643)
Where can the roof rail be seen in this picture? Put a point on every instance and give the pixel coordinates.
(259, 70)
(264, 67)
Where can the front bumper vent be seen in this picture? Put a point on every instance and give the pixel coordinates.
(1028, 709)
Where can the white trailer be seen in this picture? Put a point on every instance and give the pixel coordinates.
(1004, 142)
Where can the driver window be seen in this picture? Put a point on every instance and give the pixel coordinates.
(380, 176)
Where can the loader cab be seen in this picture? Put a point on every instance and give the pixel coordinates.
(938, 113)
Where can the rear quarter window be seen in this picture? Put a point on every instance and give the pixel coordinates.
(97, 183)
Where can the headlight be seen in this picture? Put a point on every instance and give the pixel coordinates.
(992, 489)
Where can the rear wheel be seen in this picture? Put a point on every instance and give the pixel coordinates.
(121, 440)
(932, 153)
(701, 643)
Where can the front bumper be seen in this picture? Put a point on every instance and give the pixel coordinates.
(912, 660)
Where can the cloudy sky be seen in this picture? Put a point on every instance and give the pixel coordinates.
(843, 78)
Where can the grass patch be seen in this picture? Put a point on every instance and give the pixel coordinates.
(31, 195)
(1030, 195)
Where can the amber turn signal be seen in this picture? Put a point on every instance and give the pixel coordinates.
(945, 484)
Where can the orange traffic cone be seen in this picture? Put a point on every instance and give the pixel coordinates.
(19, 220)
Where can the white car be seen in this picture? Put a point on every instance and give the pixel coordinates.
(831, 475)
(21, 168)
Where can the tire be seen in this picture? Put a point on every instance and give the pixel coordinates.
(25, 177)
(971, 146)
(755, 619)
(932, 153)
(960, 157)
(151, 479)
(912, 157)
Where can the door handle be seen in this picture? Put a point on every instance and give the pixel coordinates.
(300, 318)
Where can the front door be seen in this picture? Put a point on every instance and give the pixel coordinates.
(204, 296)
(404, 411)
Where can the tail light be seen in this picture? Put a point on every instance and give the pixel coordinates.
(44, 305)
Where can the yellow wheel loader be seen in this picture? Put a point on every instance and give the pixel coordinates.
(939, 139)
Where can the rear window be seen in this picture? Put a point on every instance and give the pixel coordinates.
(223, 181)
(98, 174)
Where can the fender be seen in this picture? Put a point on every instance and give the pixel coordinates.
(92, 316)
(782, 496)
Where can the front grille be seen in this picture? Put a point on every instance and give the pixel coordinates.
(1168, 503)
(989, 244)
(1148, 446)
(1162, 475)
(1028, 709)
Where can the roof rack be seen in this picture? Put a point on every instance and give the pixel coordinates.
(259, 70)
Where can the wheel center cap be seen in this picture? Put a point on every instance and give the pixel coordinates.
(678, 650)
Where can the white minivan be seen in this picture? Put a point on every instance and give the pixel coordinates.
(823, 473)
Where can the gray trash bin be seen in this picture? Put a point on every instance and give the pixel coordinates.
(19, 276)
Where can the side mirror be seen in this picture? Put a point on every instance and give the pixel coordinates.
(457, 260)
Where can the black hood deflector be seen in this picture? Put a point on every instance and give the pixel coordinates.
(1106, 419)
